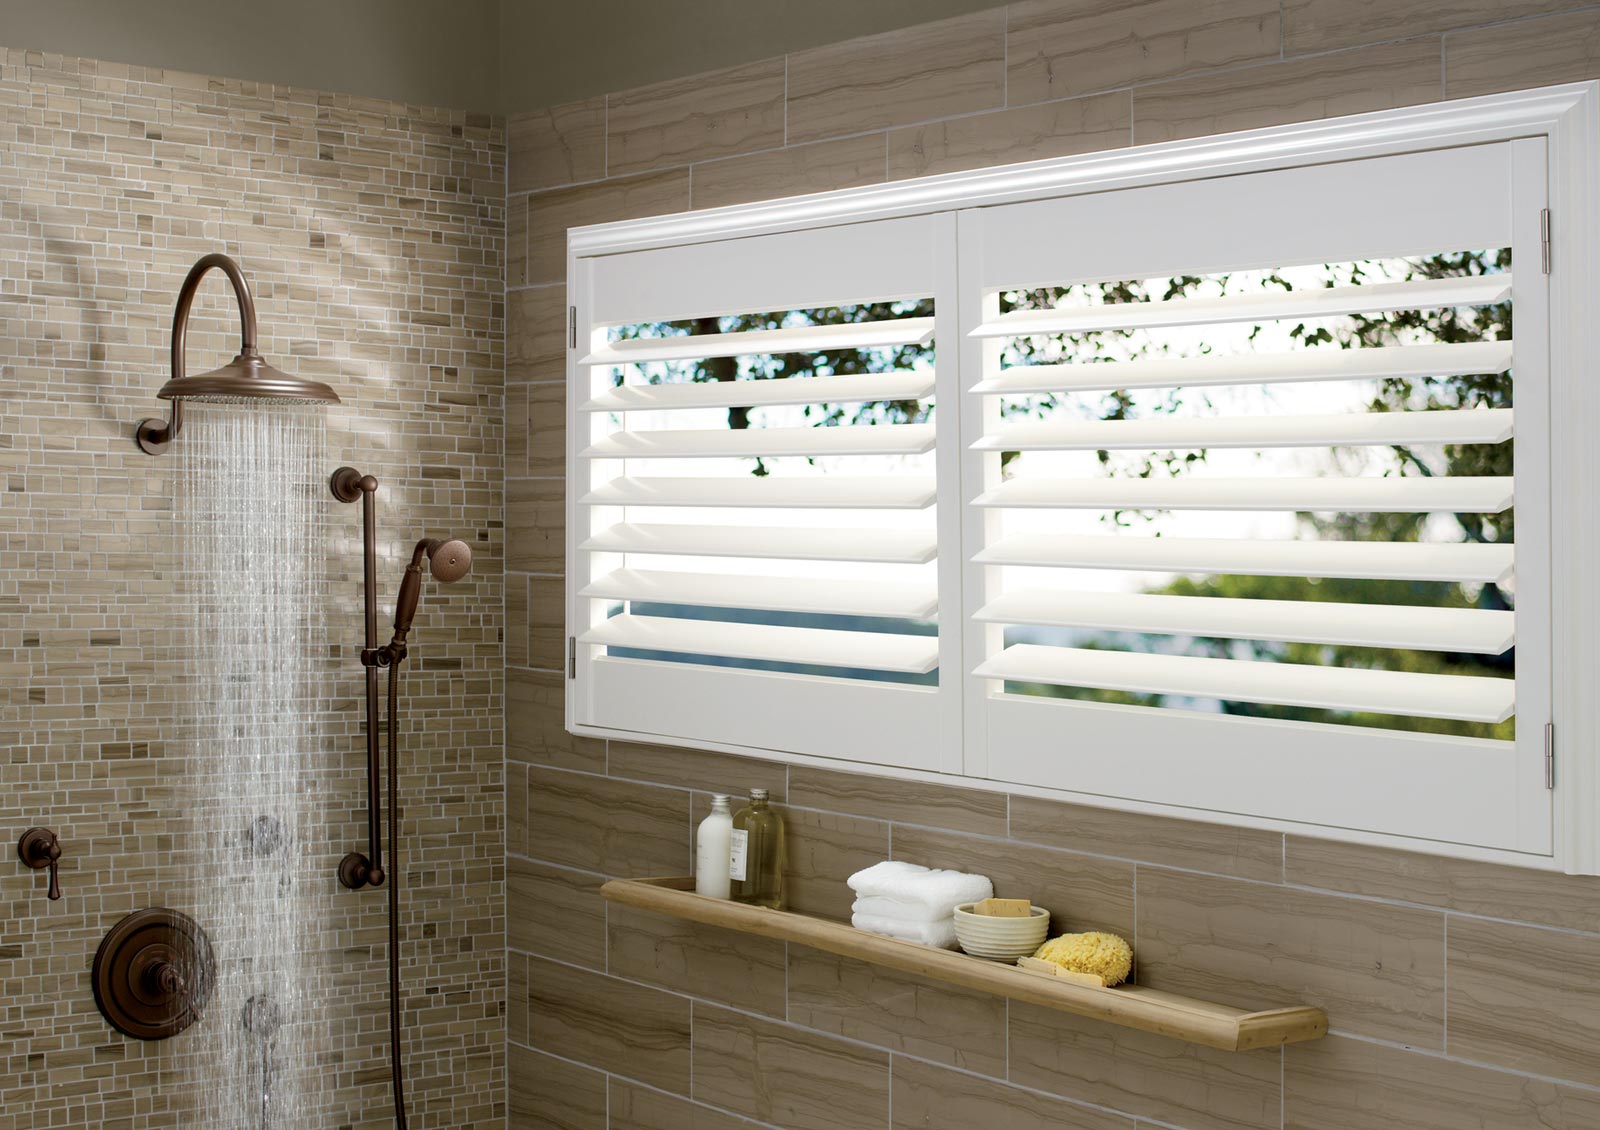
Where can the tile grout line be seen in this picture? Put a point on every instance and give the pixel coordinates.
(1444, 1019)
(1283, 1073)
(505, 621)
(1135, 884)
(890, 1123)
(1007, 1038)
(1005, 57)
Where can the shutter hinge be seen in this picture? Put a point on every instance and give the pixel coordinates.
(572, 317)
(572, 657)
(1549, 755)
(1544, 239)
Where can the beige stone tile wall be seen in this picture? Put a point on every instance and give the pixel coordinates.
(373, 235)
(1460, 995)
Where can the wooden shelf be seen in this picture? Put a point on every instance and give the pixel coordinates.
(1131, 1006)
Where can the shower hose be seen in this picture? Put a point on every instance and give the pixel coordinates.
(396, 1057)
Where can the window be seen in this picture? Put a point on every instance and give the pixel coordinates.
(1223, 479)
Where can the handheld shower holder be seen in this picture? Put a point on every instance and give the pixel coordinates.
(449, 561)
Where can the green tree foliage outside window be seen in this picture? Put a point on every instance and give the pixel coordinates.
(1450, 325)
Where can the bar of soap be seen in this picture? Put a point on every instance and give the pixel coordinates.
(1004, 908)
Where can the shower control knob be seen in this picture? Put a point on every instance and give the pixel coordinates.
(39, 848)
(153, 974)
(163, 978)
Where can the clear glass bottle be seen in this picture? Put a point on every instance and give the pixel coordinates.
(757, 854)
(711, 850)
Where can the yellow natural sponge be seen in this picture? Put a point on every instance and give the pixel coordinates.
(1104, 954)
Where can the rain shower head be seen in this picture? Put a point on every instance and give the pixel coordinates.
(247, 377)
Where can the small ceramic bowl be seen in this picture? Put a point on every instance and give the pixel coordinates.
(1001, 939)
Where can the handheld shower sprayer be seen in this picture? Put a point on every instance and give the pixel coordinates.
(449, 561)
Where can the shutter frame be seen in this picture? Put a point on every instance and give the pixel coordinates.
(1561, 118)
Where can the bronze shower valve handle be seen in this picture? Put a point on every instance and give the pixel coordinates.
(39, 848)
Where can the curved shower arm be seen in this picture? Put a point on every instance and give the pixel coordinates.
(153, 435)
(191, 285)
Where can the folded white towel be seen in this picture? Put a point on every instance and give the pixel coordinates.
(901, 910)
(941, 934)
(936, 892)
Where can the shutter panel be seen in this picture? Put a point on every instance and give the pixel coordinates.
(1257, 503)
(757, 504)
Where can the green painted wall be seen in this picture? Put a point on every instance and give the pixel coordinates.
(504, 55)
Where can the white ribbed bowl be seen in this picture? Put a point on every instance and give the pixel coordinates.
(1001, 939)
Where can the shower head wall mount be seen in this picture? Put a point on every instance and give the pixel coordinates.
(246, 377)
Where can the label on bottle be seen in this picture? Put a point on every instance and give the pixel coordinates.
(738, 844)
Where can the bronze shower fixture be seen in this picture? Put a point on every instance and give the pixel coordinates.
(246, 377)
(39, 848)
(449, 561)
(153, 974)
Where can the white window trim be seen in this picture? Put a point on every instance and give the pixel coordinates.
(1568, 117)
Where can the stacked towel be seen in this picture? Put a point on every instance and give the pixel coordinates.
(913, 903)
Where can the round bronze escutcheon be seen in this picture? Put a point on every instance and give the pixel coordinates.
(153, 974)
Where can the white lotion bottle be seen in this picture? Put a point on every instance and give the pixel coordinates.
(711, 843)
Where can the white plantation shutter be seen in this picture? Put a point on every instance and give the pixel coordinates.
(774, 585)
(1211, 479)
(1075, 631)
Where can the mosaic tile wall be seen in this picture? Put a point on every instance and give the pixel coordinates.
(1461, 996)
(373, 234)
